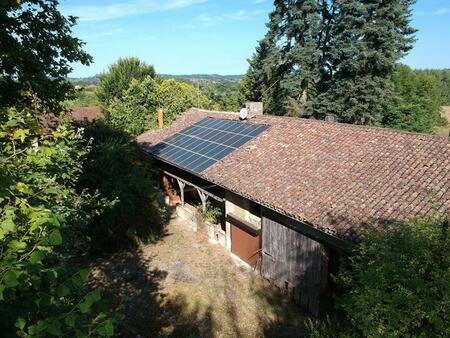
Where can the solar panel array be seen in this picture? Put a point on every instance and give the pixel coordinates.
(199, 146)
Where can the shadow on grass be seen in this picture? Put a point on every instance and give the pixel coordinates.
(131, 287)
(285, 319)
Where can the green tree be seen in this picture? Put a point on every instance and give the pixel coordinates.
(37, 49)
(417, 103)
(116, 81)
(224, 96)
(42, 217)
(443, 76)
(330, 57)
(42, 227)
(135, 111)
(175, 97)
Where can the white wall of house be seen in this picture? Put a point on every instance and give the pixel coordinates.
(242, 208)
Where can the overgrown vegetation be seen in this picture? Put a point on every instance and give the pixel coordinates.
(119, 76)
(63, 194)
(417, 102)
(209, 213)
(131, 106)
(43, 226)
(126, 207)
(83, 97)
(395, 284)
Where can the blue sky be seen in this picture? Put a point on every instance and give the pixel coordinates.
(213, 36)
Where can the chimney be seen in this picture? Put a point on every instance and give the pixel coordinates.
(254, 109)
(160, 118)
(330, 118)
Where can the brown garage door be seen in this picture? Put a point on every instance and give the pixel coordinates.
(245, 243)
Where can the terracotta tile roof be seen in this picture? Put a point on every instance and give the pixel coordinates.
(86, 113)
(337, 177)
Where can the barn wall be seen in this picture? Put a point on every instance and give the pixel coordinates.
(242, 208)
(295, 263)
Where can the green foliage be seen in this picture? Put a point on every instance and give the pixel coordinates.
(210, 213)
(443, 76)
(42, 225)
(84, 97)
(125, 205)
(223, 96)
(136, 111)
(330, 57)
(175, 97)
(37, 50)
(119, 78)
(418, 101)
(396, 283)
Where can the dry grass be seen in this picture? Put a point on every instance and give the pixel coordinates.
(444, 131)
(186, 287)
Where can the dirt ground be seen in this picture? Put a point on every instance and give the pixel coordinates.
(444, 131)
(184, 286)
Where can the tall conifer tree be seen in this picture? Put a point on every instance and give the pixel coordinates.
(331, 57)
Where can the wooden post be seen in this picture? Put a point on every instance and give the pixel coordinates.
(204, 198)
(182, 185)
(160, 118)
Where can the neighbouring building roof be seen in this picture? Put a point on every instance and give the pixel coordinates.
(90, 114)
(337, 177)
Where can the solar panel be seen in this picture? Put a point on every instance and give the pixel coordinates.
(199, 146)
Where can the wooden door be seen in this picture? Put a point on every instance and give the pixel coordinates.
(295, 263)
(245, 243)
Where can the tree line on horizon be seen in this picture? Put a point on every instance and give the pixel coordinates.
(415, 105)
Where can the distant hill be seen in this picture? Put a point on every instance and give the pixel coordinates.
(93, 80)
(85, 81)
(204, 77)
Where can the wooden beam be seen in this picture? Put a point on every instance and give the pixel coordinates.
(182, 185)
(217, 198)
(203, 197)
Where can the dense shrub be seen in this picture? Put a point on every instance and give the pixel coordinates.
(127, 208)
(42, 226)
(396, 284)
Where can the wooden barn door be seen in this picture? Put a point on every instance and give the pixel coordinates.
(245, 243)
(295, 263)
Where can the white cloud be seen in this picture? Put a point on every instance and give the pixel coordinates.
(241, 15)
(101, 34)
(258, 1)
(122, 9)
(442, 11)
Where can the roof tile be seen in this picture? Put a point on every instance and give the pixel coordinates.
(338, 177)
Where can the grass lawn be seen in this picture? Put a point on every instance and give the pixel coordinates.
(444, 131)
(185, 286)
